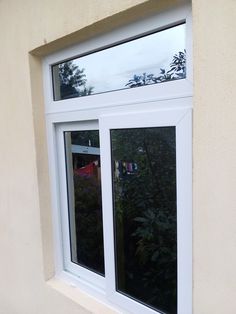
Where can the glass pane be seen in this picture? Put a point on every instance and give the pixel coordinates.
(84, 195)
(144, 190)
(152, 59)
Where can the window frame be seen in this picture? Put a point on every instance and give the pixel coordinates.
(174, 89)
(70, 266)
(181, 119)
(165, 99)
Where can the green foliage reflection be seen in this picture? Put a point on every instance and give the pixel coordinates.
(145, 212)
(72, 81)
(176, 71)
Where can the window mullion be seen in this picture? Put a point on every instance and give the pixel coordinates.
(107, 200)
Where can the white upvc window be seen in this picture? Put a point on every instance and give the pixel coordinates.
(120, 164)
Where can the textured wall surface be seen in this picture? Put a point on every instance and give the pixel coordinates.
(25, 221)
(214, 153)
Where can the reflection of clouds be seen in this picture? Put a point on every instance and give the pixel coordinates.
(112, 68)
(149, 69)
(119, 80)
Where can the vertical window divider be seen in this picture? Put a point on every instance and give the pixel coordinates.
(107, 197)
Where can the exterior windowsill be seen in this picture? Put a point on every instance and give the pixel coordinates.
(82, 298)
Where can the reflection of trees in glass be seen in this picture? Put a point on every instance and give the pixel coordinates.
(145, 211)
(177, 71)
(88, 219)
(88, 203)
(140, 80)
(72, 81)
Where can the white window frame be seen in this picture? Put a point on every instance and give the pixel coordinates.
(181, 119)
(174, 89)
(97, 280)
(166, 104)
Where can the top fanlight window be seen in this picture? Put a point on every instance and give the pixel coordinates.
(152, 59)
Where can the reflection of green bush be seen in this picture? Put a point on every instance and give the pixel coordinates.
(72, 80)
(88, 218)
(176, 71)
(145, 206)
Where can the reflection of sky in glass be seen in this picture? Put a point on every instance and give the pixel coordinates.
(112, 68)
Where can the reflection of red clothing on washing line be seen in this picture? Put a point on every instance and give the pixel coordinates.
(87, 171)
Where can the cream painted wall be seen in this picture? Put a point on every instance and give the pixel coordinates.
(214, 150)
(25, 221)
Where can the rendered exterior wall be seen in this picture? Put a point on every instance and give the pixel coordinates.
(214, 156)
(26, 247)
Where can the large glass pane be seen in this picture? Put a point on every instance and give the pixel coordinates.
(84, 196)
(155, 58)
(144, 193)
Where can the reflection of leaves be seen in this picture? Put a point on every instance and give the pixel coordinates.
(165, 76)
(86, 91)
(153, 230)
(145, 211)
(178, 64)
(140, 80)
(88, 218)
(70, 74)
(177, 71)
(72, 80)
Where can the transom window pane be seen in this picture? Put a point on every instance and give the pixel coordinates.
(152, 59)
(144, 190)
(84, 195)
